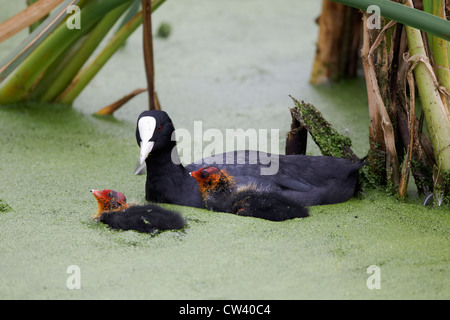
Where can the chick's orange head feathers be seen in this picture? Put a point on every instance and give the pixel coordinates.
(110, 200)
(211, 178)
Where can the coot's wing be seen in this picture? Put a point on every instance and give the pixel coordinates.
(296, 173)
(276, 171)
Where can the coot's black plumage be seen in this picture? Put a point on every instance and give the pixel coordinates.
(220, 193)
(310, 180)
(114, 211)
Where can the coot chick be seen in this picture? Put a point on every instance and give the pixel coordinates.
(220, 193)
(310, 180)
(109, 200)
(114, 211)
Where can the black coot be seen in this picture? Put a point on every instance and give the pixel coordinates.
(310, 180)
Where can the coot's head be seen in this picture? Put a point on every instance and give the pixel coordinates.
(212, 179)
(154, 133)
(110, 200)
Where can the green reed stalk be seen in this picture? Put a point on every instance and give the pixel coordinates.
(88, 72)
(19, 85)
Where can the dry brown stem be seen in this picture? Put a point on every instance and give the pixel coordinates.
(109, 110)
(377, 108)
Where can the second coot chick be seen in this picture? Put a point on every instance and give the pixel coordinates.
(114, 211)
(220, 193)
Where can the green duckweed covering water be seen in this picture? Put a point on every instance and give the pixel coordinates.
(238, 72)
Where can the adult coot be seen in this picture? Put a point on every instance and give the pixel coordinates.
(220, 193)
(310, 180)
(114, 211)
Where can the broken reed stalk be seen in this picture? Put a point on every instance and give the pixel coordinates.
(329, 141)
(109, 110)
(297, 138)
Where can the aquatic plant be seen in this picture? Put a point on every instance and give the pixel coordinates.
(405, 137)
(51, 65)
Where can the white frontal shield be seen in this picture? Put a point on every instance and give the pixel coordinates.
(146, 127)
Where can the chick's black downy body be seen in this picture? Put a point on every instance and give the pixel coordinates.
(143, 218)
(220, 193)
(265, 204)
(114, 211)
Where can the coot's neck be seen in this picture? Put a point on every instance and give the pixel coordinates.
(165, 176)
(165, 164)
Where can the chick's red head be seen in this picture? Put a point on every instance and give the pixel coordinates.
(211, 179)
(110, 200)
(205, 174)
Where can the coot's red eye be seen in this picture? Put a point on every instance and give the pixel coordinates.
(160, 128)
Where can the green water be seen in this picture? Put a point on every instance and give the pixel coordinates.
(231, 64)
